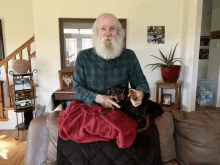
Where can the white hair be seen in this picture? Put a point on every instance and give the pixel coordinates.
(120, 30)
(117, 44)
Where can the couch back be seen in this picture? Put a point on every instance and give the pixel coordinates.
(196, 137)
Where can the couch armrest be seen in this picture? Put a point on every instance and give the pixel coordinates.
(37, 141)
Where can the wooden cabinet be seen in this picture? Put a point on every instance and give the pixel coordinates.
(163, 85)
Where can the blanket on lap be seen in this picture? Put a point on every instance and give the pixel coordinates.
(84, 124)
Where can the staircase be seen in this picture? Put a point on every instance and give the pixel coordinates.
(10, 95)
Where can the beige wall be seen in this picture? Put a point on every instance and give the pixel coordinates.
(214, 58)
(17, 20)
(178, 17)
(139, 14)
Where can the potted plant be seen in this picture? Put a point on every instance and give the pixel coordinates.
(169, 72)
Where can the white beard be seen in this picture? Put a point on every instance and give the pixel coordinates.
(108, 51)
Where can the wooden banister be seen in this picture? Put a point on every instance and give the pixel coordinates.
(28, 42)
(4, 62)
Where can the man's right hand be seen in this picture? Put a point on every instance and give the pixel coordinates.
(106, 101)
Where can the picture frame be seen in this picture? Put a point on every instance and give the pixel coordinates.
(204, 40)
(22, 84)
(166, 99)
(66, 78)
(204, 54)
(23, 102)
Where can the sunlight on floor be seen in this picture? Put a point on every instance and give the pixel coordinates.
(5, 147)
(3, 153)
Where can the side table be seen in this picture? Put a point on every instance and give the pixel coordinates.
(164, 85)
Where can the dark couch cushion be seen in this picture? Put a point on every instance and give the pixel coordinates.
(197, 136)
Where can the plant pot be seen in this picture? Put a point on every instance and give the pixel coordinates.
(170, 74)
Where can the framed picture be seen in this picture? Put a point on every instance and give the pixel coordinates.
(66, 79)
(21, 84)
(23, 102)
(204, 54)
(204, 40)
(156, 34)
(166, 99)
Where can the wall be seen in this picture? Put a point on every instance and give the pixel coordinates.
(205, 31)
(178, 17)
(139, 14)
(214, 58)
(17, 21)
(190, 38)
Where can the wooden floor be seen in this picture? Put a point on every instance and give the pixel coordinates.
(12, 151)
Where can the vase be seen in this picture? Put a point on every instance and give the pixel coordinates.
(21, 66)
(170, 74)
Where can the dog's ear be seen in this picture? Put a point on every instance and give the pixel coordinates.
(108, 92)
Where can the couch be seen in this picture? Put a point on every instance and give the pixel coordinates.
(185, 138)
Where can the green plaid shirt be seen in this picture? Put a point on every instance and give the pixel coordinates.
(94, 75)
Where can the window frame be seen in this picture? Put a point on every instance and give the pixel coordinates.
(79, 20)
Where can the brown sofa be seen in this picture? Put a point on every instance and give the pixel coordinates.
(185, 138)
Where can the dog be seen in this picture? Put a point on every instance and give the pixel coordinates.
(144, 114)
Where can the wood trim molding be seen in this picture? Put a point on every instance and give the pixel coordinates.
(215, 34)
(80, 20)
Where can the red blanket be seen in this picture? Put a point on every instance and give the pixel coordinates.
(83, 124)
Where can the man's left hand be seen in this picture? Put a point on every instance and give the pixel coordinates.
(139, 95)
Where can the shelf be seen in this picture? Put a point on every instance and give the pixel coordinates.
(21, 92)
(24, 109)
(22, 126)
(23, 74)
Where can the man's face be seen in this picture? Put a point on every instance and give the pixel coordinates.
(107, 29)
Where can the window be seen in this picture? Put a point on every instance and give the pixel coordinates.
(2, 55)
(76, 35)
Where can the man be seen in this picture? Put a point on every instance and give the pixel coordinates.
(99, 68)
(106, 65)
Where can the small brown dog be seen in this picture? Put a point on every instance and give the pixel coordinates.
(143, 114)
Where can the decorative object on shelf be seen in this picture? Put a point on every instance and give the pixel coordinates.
(66, 79)
(39, 110)
(21, 84)
(23, 102)
(21, 66)
(169, 72)
(166, 99)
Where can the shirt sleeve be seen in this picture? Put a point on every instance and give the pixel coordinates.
(79, 82)
(137, 79)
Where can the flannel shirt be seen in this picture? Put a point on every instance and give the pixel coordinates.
(94, 75)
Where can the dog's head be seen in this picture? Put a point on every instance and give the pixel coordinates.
(118, 92)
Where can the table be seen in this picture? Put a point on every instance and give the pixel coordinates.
(61, 96)
(164, 85)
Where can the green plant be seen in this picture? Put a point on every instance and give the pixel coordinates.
(168, 61)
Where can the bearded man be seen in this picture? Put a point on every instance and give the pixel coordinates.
(107, 65)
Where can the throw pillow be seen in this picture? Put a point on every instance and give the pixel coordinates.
(197, 136)
(165, 128)
(52, 126)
